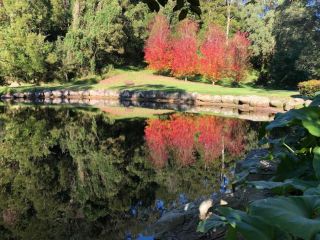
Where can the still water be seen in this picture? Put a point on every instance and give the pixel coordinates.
(72, 173)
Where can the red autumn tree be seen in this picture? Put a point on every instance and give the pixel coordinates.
(184, 49)
(157, 47)
(238, 52)
(213, 54)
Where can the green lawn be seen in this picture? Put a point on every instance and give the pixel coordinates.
(146, 80)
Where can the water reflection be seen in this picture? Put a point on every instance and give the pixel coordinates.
(183, 138)
(70, 174)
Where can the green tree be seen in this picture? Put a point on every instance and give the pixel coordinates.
(137, 19)
(60, 17)
(297, 49)
(257, 19)
(24, 48)
(222, 13)
(96, 36)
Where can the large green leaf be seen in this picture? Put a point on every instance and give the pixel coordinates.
(316, 101)
(298, 216)
(291, 167)
(309, 117)
(214, 221)
(316, 161)
(250, 227)
(286, 186)
(312, 191)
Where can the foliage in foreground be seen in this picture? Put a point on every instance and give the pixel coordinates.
(294, 210)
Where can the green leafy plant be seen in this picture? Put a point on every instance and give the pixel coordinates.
(309, 88)
(294, 139)
(271, 218)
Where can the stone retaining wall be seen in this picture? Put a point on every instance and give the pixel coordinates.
(246, 102)
(240, 111)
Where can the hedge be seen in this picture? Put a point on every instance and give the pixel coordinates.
(309, 88)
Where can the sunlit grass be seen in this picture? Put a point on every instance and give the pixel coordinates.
(147, 80)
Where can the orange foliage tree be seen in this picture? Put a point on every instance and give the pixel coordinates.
(238, 51)
(158, 46)
(178, 52)
(213, 54)
(184, 49)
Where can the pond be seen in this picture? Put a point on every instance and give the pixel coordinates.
(80, 173)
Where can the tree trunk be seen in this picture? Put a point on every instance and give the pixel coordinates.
(222, 160)
(66, 77)
(76, 12)
(229, 3)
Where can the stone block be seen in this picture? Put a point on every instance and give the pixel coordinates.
(278, 103)
(257, 101)
(244, 100)
(47, 94)
(57, 94)
(229, 99)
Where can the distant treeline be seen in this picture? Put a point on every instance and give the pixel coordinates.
(45, 40)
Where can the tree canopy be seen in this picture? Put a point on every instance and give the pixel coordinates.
(50, 40)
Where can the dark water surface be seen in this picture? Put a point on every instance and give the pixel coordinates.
(79, 174)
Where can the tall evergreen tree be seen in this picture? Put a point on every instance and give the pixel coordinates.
(23, 46)
(297, 49)
(257, 19)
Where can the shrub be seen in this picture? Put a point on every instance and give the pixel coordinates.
(309, 88)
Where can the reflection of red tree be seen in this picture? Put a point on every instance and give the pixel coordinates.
(10, 216)
(156, 142)
(210, 134)
(234, 135)
(183, 135)
(181, 139)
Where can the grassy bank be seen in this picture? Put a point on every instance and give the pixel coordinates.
(147, 80)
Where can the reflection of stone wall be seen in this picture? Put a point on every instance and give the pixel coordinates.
(245, 103)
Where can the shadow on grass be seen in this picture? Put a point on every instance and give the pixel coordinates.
(146, 87)
(197, 79)
(131, 68)
(75, 85)
(90, 83)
